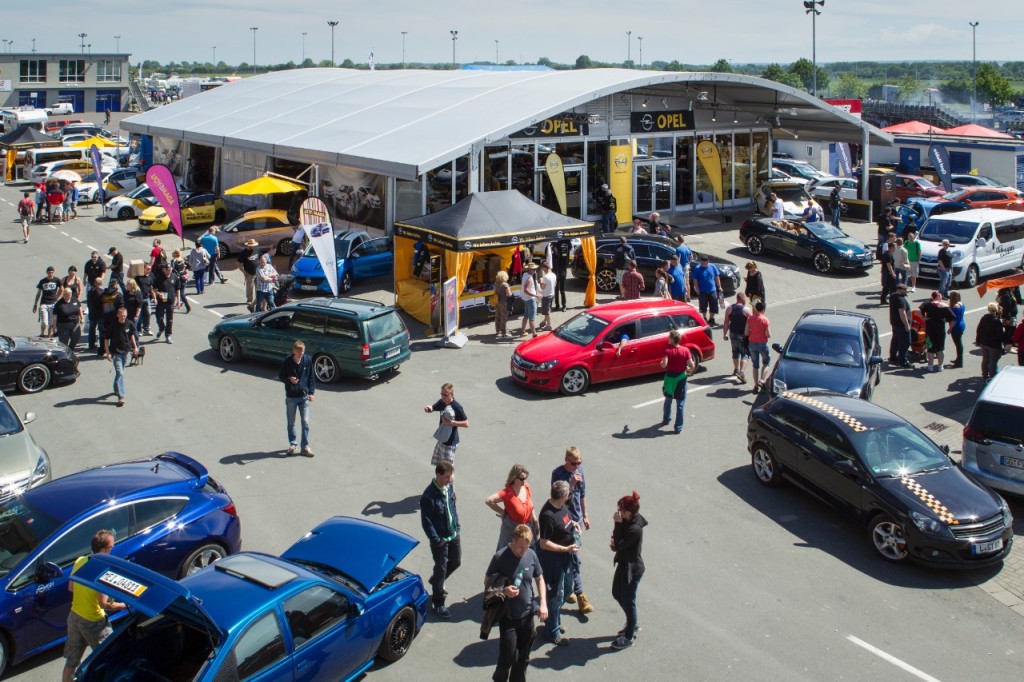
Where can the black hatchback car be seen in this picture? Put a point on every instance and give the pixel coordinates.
(879, 470)
(651, 251)
(836, 350)
(32, 364)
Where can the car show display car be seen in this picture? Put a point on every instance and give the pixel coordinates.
(326, 609)
(343, 336)
(196, 209)
(988, 197)
(608, 342)
(166, 512)
(878, 469)
(993, 445)
(799, 169)
(33, 364)
(359, 256)
(651, 252)
(906, 186)
(23, 464)
(961, 180)
(271, 228)
(826, 247)
(835, 350)
(821, 189)
(133, 203)
(794, 197)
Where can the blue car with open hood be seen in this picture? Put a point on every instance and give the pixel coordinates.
(359, 256)
(326, 609)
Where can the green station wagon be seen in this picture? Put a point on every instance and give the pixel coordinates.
(343, 336)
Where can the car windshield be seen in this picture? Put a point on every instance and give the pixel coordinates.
(22, 529)
(139, 192)
(824, 231)
(9, 422)
(342, 247)
(956, 231)
(582, 329)
(957, 195)
(791, 194)
(899, 450)
(384, 327)
(825, 348)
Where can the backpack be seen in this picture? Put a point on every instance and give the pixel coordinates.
(23, 208)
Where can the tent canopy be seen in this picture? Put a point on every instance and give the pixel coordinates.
(974, 130)
(486, 220)
(100, 142)
(25, 137)
(267, 184)
(913, 127)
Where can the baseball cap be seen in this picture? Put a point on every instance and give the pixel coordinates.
(111, 250)
(604, 186)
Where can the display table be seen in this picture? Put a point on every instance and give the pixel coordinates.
(414, 297)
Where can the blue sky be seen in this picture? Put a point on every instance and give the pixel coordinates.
(691, 31)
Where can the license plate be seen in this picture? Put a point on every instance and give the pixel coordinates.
(308, 287)
(1012, 462)
(987, 547)
(392, 353)
(518, 373)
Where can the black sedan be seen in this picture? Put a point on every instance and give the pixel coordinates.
(876, 468)
(827, 248)
(835, 350)
(32, 364)
(651, 251)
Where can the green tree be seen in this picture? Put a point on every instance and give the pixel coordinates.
(721, 66)
(348, 64)
(803, 70)
(583, 62)
(910, 88)
(324, 63)
(957, 89)
(993, 89)
(850, 86)
(774, 72)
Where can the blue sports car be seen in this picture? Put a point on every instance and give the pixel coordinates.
(827, 248)
(359, 256)
(166, 512)
(325, 610)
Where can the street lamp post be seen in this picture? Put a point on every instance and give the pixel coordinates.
(303, 62)
(974, 69)
(117, 42)
(254, 29)
(640, 39)
(81, 36)
(809, 8)
(214, 62)
(333, 25)
(455, 36)
(629, 47)
(403, 48)
(33, 45)
(496, 44)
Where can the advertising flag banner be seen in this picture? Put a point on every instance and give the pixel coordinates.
(707, 152)
(620, 181)
(556, 176)
(316, 223)
(940, 159)
(165, 190)
(97, 168)
(843, 152)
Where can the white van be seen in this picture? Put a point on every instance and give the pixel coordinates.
(982, 242)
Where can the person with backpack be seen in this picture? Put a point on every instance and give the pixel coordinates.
(624, 254)
(25, 207)
(609, 220)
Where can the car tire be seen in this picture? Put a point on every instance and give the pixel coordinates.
(222, 251)
(125, 213)
(346, 283)
(201, 558)
(325, 368)
(972, 278)
(5, 652)
(888, 538)
(34, 378)
(219, 216)
(228, 349)
(696, 360)
(575, 381)
(765, 466)
(606, 280)
(398, 636)
(754, 245)
(822, 262)
(284, 247)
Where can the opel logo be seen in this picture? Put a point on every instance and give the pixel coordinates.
(515, 240)
(469, 245)
(647, 122)
(888, 183)
(620, 161)
(531, 131)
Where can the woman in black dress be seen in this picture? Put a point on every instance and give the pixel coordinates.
(754, 284)
(74, 283)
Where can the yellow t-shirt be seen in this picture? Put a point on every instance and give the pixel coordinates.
(85, 601)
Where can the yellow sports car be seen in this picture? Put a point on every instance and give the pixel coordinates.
(197, 209)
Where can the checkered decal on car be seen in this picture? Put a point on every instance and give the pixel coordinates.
(935, 505)
(847, 419)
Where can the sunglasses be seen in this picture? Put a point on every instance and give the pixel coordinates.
(523, 478)
(575, 464)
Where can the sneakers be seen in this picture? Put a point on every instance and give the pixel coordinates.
(560, 641)
(306, 452)
(757, 387)
(622, 643)
(120, 402)
(742, 377)
(169, 340)
(622, 632)
(442, 612)
(147, 333)
(293, 450)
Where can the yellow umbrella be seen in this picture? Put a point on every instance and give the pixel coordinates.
(268, 184)
(100, 142)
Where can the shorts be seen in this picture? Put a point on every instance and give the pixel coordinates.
(618, 276)
(529, 309)
(739, 347)
(912, 268)
(83, 633)
(46, 314)
(758, 354)
(545, 305)
(708, 300)
(443, 453)
(936, 341)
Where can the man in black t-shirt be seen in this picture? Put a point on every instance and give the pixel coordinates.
(561, 254)
(47, 292)
(68, 314)
(945, 268)
(901, 320)
(559, 538)
(116, 268)
(518, 564)
(93, 268)
(145, 282)
(165, 291)
(119, 342)
(887, 263)
(249, 261)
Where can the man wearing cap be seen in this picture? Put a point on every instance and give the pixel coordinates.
(706, 281)
(47, 291)
(609, 220)
(531, 295)
(679, 285)
(901, 320)
(165, 292)
(249, 261)
(116, 268)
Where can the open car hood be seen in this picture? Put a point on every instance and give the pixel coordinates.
(363, 550)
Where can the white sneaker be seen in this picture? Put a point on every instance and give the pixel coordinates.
(913, 288)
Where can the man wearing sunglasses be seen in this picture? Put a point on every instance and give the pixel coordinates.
(572, 473)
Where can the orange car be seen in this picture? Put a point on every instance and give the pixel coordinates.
(988, 197)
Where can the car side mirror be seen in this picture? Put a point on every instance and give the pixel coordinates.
(980, 243)
(945, 449)
(846, 468)
(48, 571)
(29, 417)
(606, 345)
(875, 360)
(777, 347)
(356, 608)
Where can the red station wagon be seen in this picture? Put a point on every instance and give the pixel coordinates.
(581, 351)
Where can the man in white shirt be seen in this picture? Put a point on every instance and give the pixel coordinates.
(547, 282)
(530, 294)
(778, 208)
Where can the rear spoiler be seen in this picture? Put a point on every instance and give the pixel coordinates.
(184, 461)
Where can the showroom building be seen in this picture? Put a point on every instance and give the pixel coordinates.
(89, 82)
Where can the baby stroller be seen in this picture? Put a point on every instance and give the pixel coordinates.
(284, 287)
(918, 339)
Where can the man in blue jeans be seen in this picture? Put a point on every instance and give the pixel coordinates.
(558, 541)
(944, 268)
(299, 385)
(118, 341)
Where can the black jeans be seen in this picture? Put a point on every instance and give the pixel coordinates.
(627, 601)
(69, 333)
(560, 289)
(165, 317)
(900, 344)
(95, 332)
(958, 343)
(447, 559)
(515, 642)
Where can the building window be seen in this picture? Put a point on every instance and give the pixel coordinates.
(72, 71)
(108, 71)
(33, 71)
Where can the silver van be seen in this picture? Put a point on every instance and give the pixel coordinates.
(993, 450)
(982, 242)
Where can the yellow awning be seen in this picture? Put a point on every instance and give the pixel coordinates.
(265, 185)
(100, 142)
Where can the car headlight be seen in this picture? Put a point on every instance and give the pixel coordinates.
(779, 386)
(957, 255)
(1007, 516)
(848, 253)
(545, 366)
(927, 524)
(161, 216)
(854, 392)
(42, 469)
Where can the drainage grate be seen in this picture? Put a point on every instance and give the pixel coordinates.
(936, 426)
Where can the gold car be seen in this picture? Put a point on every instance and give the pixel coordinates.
(271, 229)
(197, 209)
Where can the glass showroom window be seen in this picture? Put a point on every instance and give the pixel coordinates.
(108, 71)
(72, 71)
(32, 71)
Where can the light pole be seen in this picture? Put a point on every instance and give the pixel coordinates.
(403, 48)
(33, 45)
(455, 36)
(88, 46)
(640, 39)
(629, 46)
(254, 29)
(496, 44)
(332, 24)
(303, 62)
(214, 59)
(81, 37)
(974, 69)
(117, 42)
(809, 8)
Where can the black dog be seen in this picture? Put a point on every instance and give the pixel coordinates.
(138, 358)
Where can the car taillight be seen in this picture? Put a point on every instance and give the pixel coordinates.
(366, 352)
(707, 330)
(230, 509)
(975, 436)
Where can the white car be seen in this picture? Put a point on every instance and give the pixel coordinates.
(60, 109)
(798, 169)
(130, 205)
(794, 197)
(822, 189)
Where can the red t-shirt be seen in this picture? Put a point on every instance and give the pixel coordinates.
(517, 510)
(678, 359)
(757, 328)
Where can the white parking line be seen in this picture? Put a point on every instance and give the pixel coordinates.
(689, 391)
(62, 232)
(214, 312)
(91, 247)
(892, 659)
(76, 239)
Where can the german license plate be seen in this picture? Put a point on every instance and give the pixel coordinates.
(1012, 462)
(987, 547)
(308, 287)
(392, 353)
(518, 373)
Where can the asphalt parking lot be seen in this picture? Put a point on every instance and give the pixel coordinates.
(743, 582)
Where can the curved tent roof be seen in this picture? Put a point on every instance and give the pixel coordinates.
(406, 122)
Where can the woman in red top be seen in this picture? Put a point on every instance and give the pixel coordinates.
(514, 504)
(157, 255)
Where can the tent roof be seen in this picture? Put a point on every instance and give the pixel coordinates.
(913, 127)
(404, 123)
(493, 219)
(975, 130)
(25, 136)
